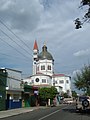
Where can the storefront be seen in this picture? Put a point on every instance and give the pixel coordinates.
(10, 89)
(29, 98)
(13, 99)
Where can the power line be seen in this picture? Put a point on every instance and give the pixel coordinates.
(14, 48)
(14, 41)
(14, 34)
(13, 57)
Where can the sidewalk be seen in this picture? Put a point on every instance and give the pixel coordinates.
(18, 111)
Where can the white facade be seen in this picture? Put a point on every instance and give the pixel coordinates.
(39, 80)
(45, 67)
(62, 83)
(43, 72)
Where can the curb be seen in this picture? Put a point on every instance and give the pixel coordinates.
(12, 112)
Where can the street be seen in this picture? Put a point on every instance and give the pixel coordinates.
(64, 112)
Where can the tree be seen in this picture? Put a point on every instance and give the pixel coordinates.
(82, 79)
(65, 95)
(74, 94)
(86, 17)
(47, 93)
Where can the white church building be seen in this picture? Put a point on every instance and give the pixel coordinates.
(43, 72)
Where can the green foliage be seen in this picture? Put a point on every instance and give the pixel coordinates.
(65, 95)
(74, 94)
(82, 79)
(47, 93)
(86, 17)
(85, 2)
(78, 23)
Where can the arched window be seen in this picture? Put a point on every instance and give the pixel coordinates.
(67, 81)
(49, 67)
(61, 81)
(43, 67)
(43, 80)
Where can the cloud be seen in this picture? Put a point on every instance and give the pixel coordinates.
(50, 21)
(82, 53)
(22, 15)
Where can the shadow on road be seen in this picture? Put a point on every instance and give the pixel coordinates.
(69, 110)
(73, 110)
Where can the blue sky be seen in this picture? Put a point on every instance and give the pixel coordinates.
(49, 21)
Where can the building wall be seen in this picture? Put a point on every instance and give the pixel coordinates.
(37, 64)
(43, 80)
(35, 57)
(39, 80)
(13, 89)
(13, 79)
(13, 99)
(63, 84)
(68, 85)
(34, 67)
(45, 63)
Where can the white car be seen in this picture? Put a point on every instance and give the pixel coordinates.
(82, 103)
(68, 100)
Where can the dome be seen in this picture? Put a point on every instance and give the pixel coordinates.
(45, 54)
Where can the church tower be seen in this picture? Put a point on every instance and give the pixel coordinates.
(45, 64)
(35, 57)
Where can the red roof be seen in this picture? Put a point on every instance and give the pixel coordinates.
(35, 45)
(35, 88)
(61, 75)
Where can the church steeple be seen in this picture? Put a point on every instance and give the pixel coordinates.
(35, 57)
(35, 51)
(35, 46)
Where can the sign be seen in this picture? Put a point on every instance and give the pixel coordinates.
(36, 92)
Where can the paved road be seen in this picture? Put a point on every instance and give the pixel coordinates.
(65, 112)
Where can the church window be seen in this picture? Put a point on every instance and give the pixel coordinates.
(43, 67)
(35, 53)
(67, 81)
(43, 80)
(61, 81)
(37, 79)
(49, 67)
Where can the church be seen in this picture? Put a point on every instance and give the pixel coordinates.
(43, 72)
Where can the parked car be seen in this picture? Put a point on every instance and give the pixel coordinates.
(82, 103)
(67, 100)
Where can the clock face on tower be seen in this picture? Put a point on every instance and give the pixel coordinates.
(37, 79)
